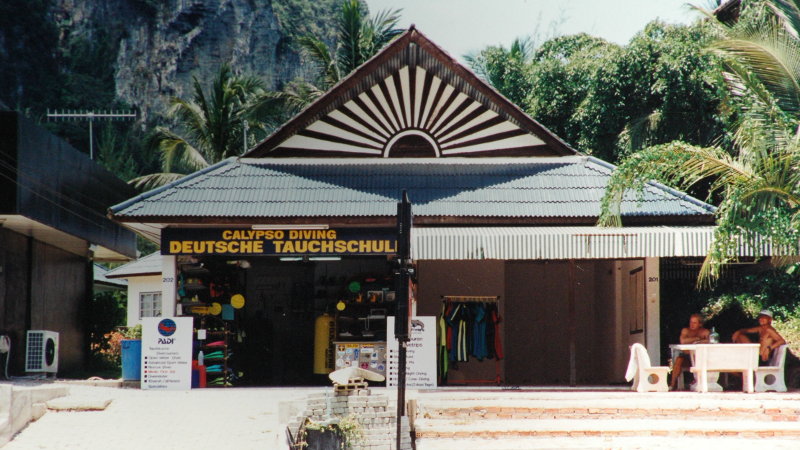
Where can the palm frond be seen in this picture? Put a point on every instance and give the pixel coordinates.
(638, 132)
(788, 12)
(269, 109)
(771, 57)
(154, 180)
(178, 154)
(298, 94)
(190, 115)
(676, 164)
(350, 28)
(321, 55)
(383, 28)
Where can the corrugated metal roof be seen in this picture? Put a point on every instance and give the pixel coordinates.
(537, 243)
(570, 186)
(147, 265)
(101, 277)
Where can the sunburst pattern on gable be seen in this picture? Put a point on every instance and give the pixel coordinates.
(412, 100)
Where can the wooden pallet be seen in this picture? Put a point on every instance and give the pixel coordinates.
(353, 384)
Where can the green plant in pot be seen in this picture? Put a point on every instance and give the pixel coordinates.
(338, 432)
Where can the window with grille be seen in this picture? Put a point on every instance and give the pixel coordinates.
(150, 304)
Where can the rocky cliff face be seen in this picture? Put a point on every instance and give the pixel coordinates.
(162, 44)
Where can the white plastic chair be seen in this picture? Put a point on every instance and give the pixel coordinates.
(646, 378)
(770, 378)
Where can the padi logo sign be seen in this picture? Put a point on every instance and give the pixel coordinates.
(166, 328)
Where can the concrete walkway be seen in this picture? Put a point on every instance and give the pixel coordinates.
(255, 418)
(236, 418)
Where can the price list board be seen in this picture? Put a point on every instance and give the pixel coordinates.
(420, 353)
(167, 353)
(366, 355)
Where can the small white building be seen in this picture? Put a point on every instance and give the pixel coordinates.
(144, 287)
(103, 283)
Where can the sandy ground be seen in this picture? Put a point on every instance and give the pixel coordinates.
(241, 418)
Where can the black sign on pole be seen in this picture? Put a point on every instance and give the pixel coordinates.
(402, 317)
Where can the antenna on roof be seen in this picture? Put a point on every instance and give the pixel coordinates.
(91, 116)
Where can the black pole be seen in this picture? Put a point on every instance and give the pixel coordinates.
(402, 308)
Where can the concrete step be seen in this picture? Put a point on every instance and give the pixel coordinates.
(500, 429)
(21, 404)
(534, 419)
(595, 443)
(499, 410)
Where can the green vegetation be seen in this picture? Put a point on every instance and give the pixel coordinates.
(755, 178)
(506, 70)
(303, 17)
(359, 36)
(105, 315)
(212, 126)
(609, 100)
(712, 108)
(734, 303)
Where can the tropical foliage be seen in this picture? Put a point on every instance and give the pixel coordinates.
(609, 100)
(756, 178)
(506, 69)
(213, 126)
(104, 314)
(359, 36)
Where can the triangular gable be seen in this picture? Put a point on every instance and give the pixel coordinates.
(412, 100)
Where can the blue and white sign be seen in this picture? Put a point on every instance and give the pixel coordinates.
(167, 353)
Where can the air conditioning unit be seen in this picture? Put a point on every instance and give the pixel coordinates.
(41, 351)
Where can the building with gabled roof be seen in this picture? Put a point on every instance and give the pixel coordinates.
(504, 217)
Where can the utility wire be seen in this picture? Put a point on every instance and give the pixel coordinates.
(87, 200)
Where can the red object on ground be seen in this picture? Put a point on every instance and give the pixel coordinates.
(201, 374)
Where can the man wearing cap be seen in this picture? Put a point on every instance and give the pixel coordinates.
(767, 336)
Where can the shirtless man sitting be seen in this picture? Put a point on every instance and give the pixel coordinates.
(767, 336)
(695, 333)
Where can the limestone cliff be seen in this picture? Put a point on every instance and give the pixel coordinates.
(161, 44)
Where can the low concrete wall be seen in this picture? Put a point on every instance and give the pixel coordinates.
(19, 405)
(374, 413)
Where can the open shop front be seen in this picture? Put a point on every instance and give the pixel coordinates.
(292, 319)
(539, 323)
(266, 319)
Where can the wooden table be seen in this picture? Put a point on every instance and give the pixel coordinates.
(708, 360)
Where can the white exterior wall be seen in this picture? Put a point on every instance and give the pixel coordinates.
(137, 285)
(653, 309)
(169, 283)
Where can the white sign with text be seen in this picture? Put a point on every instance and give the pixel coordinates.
(420, 353)
(167, 353)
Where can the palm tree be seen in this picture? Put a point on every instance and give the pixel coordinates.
(507, 70)
(359, 37)
(758, 181)
(212, 126)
